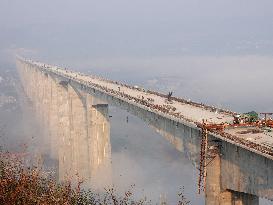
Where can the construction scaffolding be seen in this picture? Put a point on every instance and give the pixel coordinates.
(207, 155)
(202, 165)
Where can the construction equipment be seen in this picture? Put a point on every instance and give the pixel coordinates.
(266, 114)
(252, 116)
(169, 96)
(249, 117)
(207, 152)
(267, 122)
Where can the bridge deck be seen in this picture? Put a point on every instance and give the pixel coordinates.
(261, 143)
(188, 111)
(259, 136)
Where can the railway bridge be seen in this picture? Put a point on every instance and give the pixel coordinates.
(236, 165)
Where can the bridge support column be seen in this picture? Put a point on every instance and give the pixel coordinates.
(63, 133)
(48, 95)
(39, 100)
(78, 133)
(99, 143)
(45, 102)
(53, 118)
(214, 195)
(26, 75)
(32, 83)
(37, 90)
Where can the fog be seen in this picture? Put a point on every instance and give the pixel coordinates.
(89, 29)
(217, 52)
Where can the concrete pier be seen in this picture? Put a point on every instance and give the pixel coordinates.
(99, 144)
(63, 132)
(215, 193)
(78, 133)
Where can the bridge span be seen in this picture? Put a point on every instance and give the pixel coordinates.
(73, 107)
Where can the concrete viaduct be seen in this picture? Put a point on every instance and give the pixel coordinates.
(73, 107)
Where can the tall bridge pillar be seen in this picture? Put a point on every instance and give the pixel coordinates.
(40, 96)
(215, 195)
(53, 107)
(77, 128)
(78, 133)
(63, 132)
(84, 137)
(99, 143)
(44, 107)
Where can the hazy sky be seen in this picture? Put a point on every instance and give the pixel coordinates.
(115, 28)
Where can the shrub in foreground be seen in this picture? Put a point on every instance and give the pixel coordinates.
(29, 186)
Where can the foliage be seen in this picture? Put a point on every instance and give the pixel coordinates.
(29, 186)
